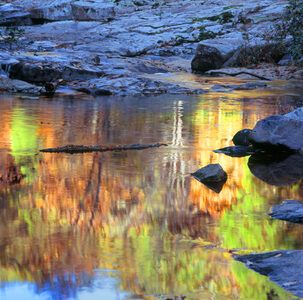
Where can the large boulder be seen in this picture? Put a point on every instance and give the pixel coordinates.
(284, 267)
(211, 54)
(206, 58)
(278, 132)
(289, 210)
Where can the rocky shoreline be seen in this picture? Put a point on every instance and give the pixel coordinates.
(122, 47)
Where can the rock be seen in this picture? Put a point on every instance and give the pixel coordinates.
(89, 11)
(206, 58)
(296, 114)
(259, 51)
(211, 54)
(18, 86)
(213, 176)
(36, 73)
(284, 267)
(277, 171)
(289, 210)
(236, 151)
(242, 137)
(56, 10)
(278, 133)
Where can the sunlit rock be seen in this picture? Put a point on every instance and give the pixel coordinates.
(278, 132)
(284, 267)
(279, 171)
(289, 210)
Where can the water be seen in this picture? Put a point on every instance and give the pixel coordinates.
(134, 224)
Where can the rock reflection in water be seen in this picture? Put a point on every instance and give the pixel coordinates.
(279, 171)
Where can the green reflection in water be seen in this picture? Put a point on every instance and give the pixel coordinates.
(24, 142)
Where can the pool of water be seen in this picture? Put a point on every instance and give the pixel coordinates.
(134, 224)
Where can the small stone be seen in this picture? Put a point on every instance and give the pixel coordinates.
(210, 173)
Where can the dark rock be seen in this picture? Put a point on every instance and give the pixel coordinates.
(289, 210)
(206, 58)
(278, 132)
(236, 151)
(18, 86)
(242, 137)
(279, 171)
(284, 267)
(213, 176)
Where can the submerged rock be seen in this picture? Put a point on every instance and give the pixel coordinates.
(289, 210)
(213, 176)
(278, 170)
(278, 132)
(236, 151)
(242, 137)
(284, 267)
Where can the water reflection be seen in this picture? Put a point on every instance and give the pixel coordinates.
(138, 216)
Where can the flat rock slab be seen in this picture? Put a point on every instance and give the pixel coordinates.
(276, 132)
(285, 268)
(286, 171)
(289, 210)
(236, 151)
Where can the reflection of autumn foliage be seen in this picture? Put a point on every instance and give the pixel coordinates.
(139, 213)
(9, 172)
(215, 129)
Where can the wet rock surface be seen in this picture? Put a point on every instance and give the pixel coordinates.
(121, 43)
(285, 268)
(279, 169)
(289, 210)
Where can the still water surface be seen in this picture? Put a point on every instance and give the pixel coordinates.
(134, 224)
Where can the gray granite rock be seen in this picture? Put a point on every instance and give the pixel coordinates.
(284, 267)
(296, 114)
(278, 132)
(289, 210)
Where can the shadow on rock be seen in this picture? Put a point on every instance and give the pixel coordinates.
(277, 169)
(285, 268)
(289, 210)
